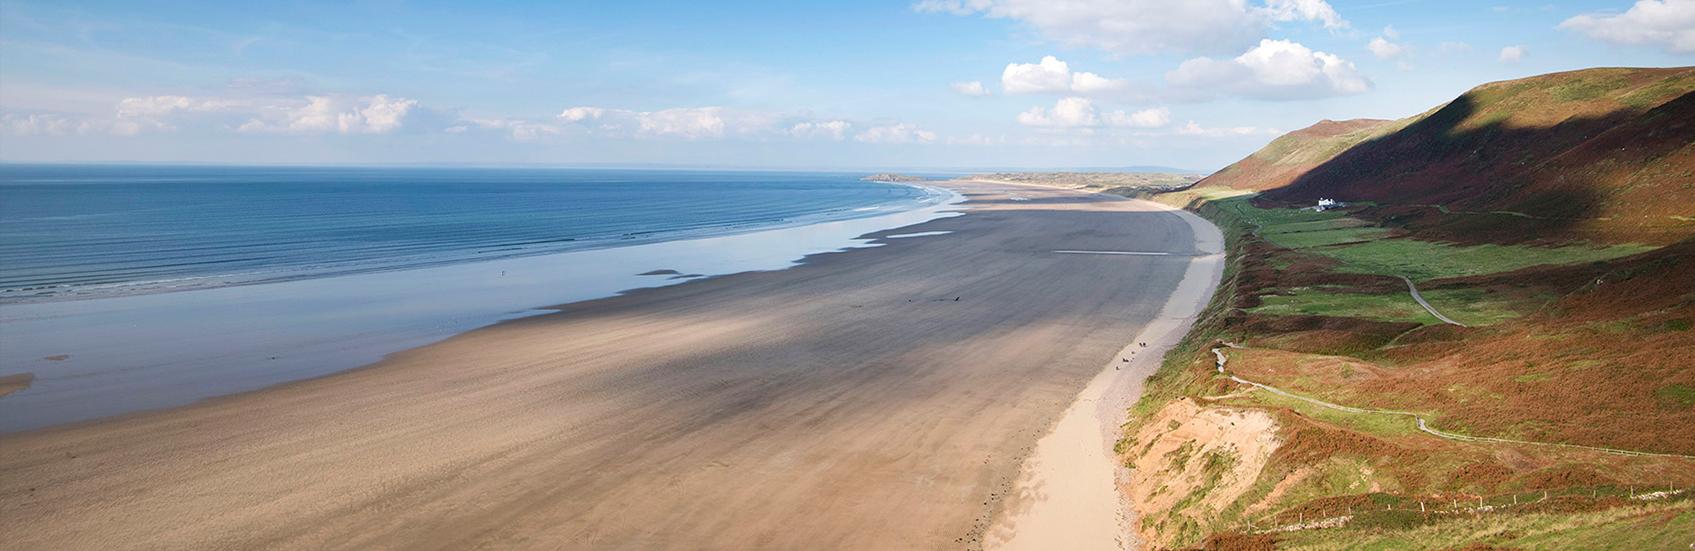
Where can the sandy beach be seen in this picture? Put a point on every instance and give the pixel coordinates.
(879, 398)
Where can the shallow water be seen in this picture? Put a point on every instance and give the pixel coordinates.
(117, 354)
(81, 231)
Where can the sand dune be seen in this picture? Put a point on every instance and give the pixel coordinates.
(878, 398)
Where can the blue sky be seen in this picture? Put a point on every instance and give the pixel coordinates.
(934, 83)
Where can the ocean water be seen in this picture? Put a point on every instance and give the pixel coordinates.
(86, 231)
(145, 297)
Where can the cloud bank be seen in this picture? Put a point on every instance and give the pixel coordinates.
(1665, 24)
(1076, 112)
(1050, 75)
(1148, 26)
(1275, 69)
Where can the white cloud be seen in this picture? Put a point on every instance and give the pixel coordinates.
(712, 123)
(1512, 54)
(1051, 75)
(1305, 10)
(1076, 112)
(377, 114)
(974, 139)
(1090, 83)
(831, 130)
(1146, 118)
(1383, 48)
(1666, 24)
(50, 124)
(580, 114)
(689, 123)
(686, 123)
(159, 106)
(1275, 69)
(895, 134)
(519, 129)
(1147, 26)
(1066, 113)
(973, 88)
(1194, 129)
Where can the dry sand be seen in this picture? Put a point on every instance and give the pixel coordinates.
(850, 402)
(1067, 495)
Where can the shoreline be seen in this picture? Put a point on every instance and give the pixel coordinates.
(871, 398)
(87, 361)
(934, 197)
(1067, 495)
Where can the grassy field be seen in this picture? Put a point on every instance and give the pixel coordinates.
(1478, 307)
(1474, 307)
(1368, 250)
(1423, 260)
(1325, 302)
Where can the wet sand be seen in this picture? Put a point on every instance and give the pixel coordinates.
(871, 399)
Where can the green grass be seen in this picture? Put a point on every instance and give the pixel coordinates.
(1381, 424)
(1659, 92)
(1423, 260)
(1322, 238)
(1680, 395)
(1468, 306)
(1586, 88)
(1365, 250)
(1476, 307)
(1320, 302)
(1638, 527)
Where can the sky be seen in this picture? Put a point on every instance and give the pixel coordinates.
(946, 84)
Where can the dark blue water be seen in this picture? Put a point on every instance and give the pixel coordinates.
(76, 231)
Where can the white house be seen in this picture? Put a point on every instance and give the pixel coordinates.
(1327, 204)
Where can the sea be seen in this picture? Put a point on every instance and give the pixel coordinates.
(91, 231)
(126, 288)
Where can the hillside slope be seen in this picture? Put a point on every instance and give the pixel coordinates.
(1603, 154)
(1295, 153)
(1552, 218)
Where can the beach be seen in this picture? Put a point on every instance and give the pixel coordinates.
(874, 398)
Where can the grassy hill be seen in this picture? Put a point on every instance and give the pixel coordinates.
(1543, 217)
(1605, 154)
(1293, 154)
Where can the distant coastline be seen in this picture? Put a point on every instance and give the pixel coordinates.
(893, 178)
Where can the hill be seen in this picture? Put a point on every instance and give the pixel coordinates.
(1295, 153)
(1603, 154)
(1492, 334)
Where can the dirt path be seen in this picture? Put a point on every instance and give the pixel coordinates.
(1427, 307)
(1419, 419)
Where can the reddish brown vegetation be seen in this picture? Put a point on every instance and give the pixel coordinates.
(1598, 155)
(1292, 155)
